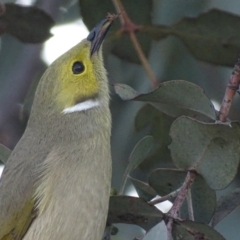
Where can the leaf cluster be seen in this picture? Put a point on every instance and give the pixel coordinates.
(197, 143)
(183, 132)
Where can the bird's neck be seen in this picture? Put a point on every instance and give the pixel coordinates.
(70, 124)
(76, 178)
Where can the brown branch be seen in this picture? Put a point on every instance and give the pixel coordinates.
(230, 92)
(173, 213)
(129, 27)
(166, 197)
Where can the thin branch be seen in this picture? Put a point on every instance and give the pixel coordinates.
(143, 59)
(190, 205)
(129, 27)
(119, 8)
(166, 197)
(173, 213)
(230, 92)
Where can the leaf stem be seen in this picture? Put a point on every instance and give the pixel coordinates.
(129, 27)
(166, 197)
(230, 92)
(173, 213)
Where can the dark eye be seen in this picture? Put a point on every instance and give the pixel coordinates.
(78, 67)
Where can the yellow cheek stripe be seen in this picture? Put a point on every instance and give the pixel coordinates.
(79, 87)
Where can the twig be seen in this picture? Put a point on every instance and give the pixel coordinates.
(173, 213)
(119, 8)
(166, 197)
(190, 205)
(129, 27)
(230, 92)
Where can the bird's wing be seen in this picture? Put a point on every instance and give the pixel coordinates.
(17, 187)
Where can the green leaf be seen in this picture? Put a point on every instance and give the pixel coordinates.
(28, 24)
(175, 98)
(125, 91)
(226, 204)
(165, 181)
(210, 37)
(132, 210)
(122, 45)
(188, 230)
(158, 125)
(204, 201)
(211, 149)
(143, 189)
(4, 153)
(139, 153)
(158, 122)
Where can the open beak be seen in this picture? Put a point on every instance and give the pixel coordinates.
(97, 35)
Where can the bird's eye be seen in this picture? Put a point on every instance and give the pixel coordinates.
(78, 67)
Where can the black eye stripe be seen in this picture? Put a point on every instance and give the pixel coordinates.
(77, 67)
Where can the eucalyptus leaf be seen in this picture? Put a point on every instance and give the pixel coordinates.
(210, 37)
(188, 230)
(132, 210)
(157, 124)
(125, 91)
(28, 24)
(139, 153)
(143, 189)
(165, 181)
(175, 98)
(212, 150)
(204, 201)
(226, 204)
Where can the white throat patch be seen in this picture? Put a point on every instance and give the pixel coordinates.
(82, 106)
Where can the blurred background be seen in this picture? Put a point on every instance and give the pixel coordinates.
(21, 66)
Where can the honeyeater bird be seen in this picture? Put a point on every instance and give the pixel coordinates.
(56, 183)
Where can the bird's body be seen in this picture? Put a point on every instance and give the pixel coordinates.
(56, 183)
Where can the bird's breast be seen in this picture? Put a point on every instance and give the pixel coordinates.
(73, 192)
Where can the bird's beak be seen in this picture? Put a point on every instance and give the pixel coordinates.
(97, 35)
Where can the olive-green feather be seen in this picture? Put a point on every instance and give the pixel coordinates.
(56, 183)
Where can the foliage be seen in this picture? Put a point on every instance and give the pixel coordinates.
(179, 118)
(23, 23)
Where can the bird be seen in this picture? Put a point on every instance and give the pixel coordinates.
(56, 182)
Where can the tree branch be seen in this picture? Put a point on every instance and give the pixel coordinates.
(173, 213)
(129, 27)
(230, 92)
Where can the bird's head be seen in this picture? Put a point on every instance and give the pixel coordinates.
(77, 80)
